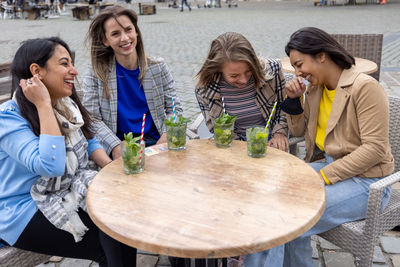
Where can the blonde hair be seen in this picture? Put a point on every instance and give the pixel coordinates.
(229, 46)
(101, 56)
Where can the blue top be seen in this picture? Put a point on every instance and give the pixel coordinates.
(24, 158)
(132, 104)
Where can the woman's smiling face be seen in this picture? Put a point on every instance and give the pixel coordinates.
(58, 74)
(307, 66)
(237, 73)
(121, 36)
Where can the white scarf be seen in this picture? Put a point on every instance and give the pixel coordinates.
(59, 198)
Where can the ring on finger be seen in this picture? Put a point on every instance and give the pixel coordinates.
(29, 81)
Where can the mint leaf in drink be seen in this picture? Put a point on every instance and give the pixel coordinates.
(181, 120)
(225, 118)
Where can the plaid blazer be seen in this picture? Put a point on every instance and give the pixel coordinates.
(210, 103)
(158, 86)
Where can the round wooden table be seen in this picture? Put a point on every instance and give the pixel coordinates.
(362, 65)
(207, 202)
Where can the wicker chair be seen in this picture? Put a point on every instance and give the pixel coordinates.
(360, 237)
(368, 46)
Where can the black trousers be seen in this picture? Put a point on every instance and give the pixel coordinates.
(43, 237)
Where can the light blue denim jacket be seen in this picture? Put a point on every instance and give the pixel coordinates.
(24, 158)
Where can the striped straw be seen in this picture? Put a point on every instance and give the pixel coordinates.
(173, 109)
(141, 140)
(223, 104)
(270, 115)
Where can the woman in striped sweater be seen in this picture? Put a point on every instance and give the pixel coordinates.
(246, 85)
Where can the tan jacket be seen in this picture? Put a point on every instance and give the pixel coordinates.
(357, 134)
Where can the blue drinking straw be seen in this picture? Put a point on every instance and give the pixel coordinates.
(173, 110)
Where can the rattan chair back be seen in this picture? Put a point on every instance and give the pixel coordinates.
(368, 46)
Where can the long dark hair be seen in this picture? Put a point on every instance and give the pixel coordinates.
(312, 41)
(39, 51)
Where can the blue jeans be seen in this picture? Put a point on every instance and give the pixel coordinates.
(345, 201)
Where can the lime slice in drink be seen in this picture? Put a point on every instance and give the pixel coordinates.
(261, 135)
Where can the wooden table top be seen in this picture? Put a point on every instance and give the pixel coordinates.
(207, 202)
(362, 65)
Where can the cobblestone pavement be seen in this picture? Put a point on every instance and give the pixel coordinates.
(183, 39)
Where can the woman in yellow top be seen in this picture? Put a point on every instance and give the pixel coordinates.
(344, 116)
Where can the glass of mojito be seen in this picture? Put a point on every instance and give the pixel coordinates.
(133, 159)
(223, 130)
(176, 133)
(257, 141)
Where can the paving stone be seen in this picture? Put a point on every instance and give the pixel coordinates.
(163, 260)
(317, 263)
(325, 244)
(379, 265)
(68, 262)
(396, 185)
(146, 260)
(378, 255)
(390, 244)
(56, 259)
(49, 264)
(396, 260)
(315, 254)
(338, 259)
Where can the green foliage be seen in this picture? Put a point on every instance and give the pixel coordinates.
(181, 120)
(225, 118)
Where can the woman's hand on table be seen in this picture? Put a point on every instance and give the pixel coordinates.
(279, 141)
(295, 87)
(163, 139)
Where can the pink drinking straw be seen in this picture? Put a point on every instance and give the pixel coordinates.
(141, 139)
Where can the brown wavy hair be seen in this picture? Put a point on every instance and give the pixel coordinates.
(229, 46)
(102, 56)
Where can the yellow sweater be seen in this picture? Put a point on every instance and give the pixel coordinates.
(325, 107)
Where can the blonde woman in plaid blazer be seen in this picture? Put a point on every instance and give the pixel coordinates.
(116, 42)
(251, 86)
